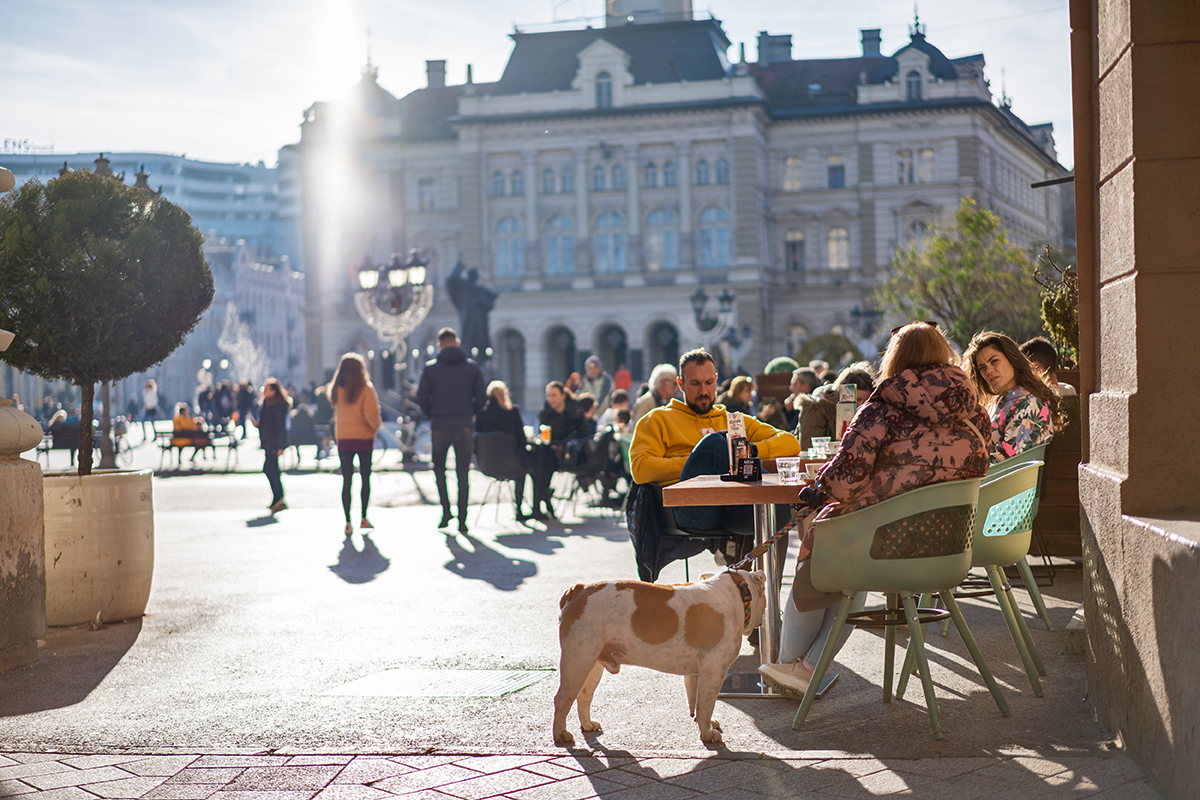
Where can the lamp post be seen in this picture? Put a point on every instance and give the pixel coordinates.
(394, 298)
(704, 328)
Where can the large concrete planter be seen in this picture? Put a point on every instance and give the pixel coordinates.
(99, 546)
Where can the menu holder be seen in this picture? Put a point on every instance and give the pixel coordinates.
(847, 405)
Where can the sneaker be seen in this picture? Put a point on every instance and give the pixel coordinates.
(349, 529)
(280, 506)
(462, 526)
(790, 680)
(445, 523)
(366, 524)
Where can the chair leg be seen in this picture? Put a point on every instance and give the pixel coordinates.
(1035, 594)
(927, 601)
(917, 644)
(823, 662)
(889, 651)
(1029, 645)
(969, 641)
(1002, 590)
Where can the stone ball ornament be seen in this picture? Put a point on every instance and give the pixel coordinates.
(7, 180)
(18, 431)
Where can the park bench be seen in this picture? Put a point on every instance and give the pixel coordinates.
(173, 453)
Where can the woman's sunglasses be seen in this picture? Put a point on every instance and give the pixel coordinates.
(898, 328)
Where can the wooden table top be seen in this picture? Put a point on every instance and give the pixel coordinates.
(710, 490)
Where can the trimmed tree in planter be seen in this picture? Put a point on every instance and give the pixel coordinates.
(99, 280)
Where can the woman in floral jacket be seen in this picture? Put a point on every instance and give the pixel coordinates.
(1023, 407)
(923, 424)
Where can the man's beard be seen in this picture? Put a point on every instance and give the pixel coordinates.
(699, 409)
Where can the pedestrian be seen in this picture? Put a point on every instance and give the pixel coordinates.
(245, 403)
(451, 393)
(356, 418)
(149, 405)
(272, 432)
(597, 383)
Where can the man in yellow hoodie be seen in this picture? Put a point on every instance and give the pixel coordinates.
(683, 439)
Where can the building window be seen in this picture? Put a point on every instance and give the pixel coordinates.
(662, 240)
(917, 230)
(598, 179)
(560, 246)
(791, 174)
(925, 165)
(510, 248)
(618, 177)
(650, 176)
(793, 251)
(497, 187)
(610, 243)
(912, 86)
(548, 181)
(603, 90)
(722, 171)
(839, 248)
(518, 182)
(568, 180)
(837, 172)
(702, 173)
(425, 194)
(714, 237)
(669, 173)
(904, 166)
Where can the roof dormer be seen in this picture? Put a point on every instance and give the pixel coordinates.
(603, 75)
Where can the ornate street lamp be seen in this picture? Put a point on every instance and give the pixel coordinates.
(705, 329)
(394, 298)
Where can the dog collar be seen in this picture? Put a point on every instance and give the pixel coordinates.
(744, 591)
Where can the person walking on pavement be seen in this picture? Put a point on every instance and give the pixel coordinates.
(451, 393)
(149, 405)
(356, 418)
(272, 432)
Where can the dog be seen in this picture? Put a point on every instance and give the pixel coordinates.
(691, 629)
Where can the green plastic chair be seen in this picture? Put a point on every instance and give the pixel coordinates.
(911, 544)
(1033, 454)
(1003, 528)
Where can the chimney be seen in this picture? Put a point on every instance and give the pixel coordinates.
(774, 47)
(436, 70)
(470, 74)
(871, 41)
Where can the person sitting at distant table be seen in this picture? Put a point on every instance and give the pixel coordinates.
(500, 414)
(562, 415)
(187, 430)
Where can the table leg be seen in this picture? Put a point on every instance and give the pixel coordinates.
(768, 634)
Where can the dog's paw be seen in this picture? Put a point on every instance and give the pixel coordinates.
(591, 726)
(716, 725)
(713, 736)
(564, 739)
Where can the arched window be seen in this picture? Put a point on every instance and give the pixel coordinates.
(702, 173)
(839, 248)
(618, 177)
(669, 173)
(548, 181)
(497, 187)
(598, 179)
(603, 90)
(650, 174)
(510, 248)
(518, 182)
(662, 240)
(912, 86)
(904, 166)
(722, 171)
(917, 230)
(925, 165)
(791, 174)
(568, 180)
(610, 243)
(560, 246)
(793, 251)
(714, 237)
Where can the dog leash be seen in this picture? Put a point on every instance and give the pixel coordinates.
(759, 550)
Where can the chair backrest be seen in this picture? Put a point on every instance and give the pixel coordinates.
(1032, 454)
(496, 456)
(919, 541)
(669, 526)
(1004, 516)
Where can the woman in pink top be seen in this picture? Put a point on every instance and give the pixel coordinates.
(356, 418)
(1023, 407)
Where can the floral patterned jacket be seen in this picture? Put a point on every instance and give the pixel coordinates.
(1020, 422)
(912, 431)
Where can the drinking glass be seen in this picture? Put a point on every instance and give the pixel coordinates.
(789, 470)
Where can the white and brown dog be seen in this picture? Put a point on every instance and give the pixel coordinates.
(691, 629)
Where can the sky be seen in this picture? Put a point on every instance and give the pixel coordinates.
(229, 80)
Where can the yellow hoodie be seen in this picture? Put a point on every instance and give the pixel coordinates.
(664, 439)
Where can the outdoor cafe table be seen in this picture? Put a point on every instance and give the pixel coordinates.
(710, 490)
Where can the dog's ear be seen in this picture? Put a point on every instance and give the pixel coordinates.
(760, 578)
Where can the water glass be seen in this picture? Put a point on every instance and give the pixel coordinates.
(789, 470)
(818, 444)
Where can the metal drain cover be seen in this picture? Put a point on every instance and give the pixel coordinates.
(441, 683)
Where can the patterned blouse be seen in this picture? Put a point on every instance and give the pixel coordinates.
(1020, 421)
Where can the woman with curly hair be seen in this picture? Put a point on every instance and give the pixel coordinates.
(1023, 407)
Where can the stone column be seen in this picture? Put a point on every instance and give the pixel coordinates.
(633, 214)
(22, 541)
(532, 184)
(683, 177)
(583, 251)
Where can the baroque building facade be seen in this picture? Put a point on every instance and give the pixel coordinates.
(612, 172)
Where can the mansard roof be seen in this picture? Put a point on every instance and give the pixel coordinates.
(939, 65)
(787, 83)
(425, 113)
(666, 52)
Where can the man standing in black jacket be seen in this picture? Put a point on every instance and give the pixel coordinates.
(451, 393)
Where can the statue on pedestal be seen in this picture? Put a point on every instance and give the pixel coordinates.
(474, 302)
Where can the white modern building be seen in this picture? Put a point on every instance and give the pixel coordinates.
(611, 172)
